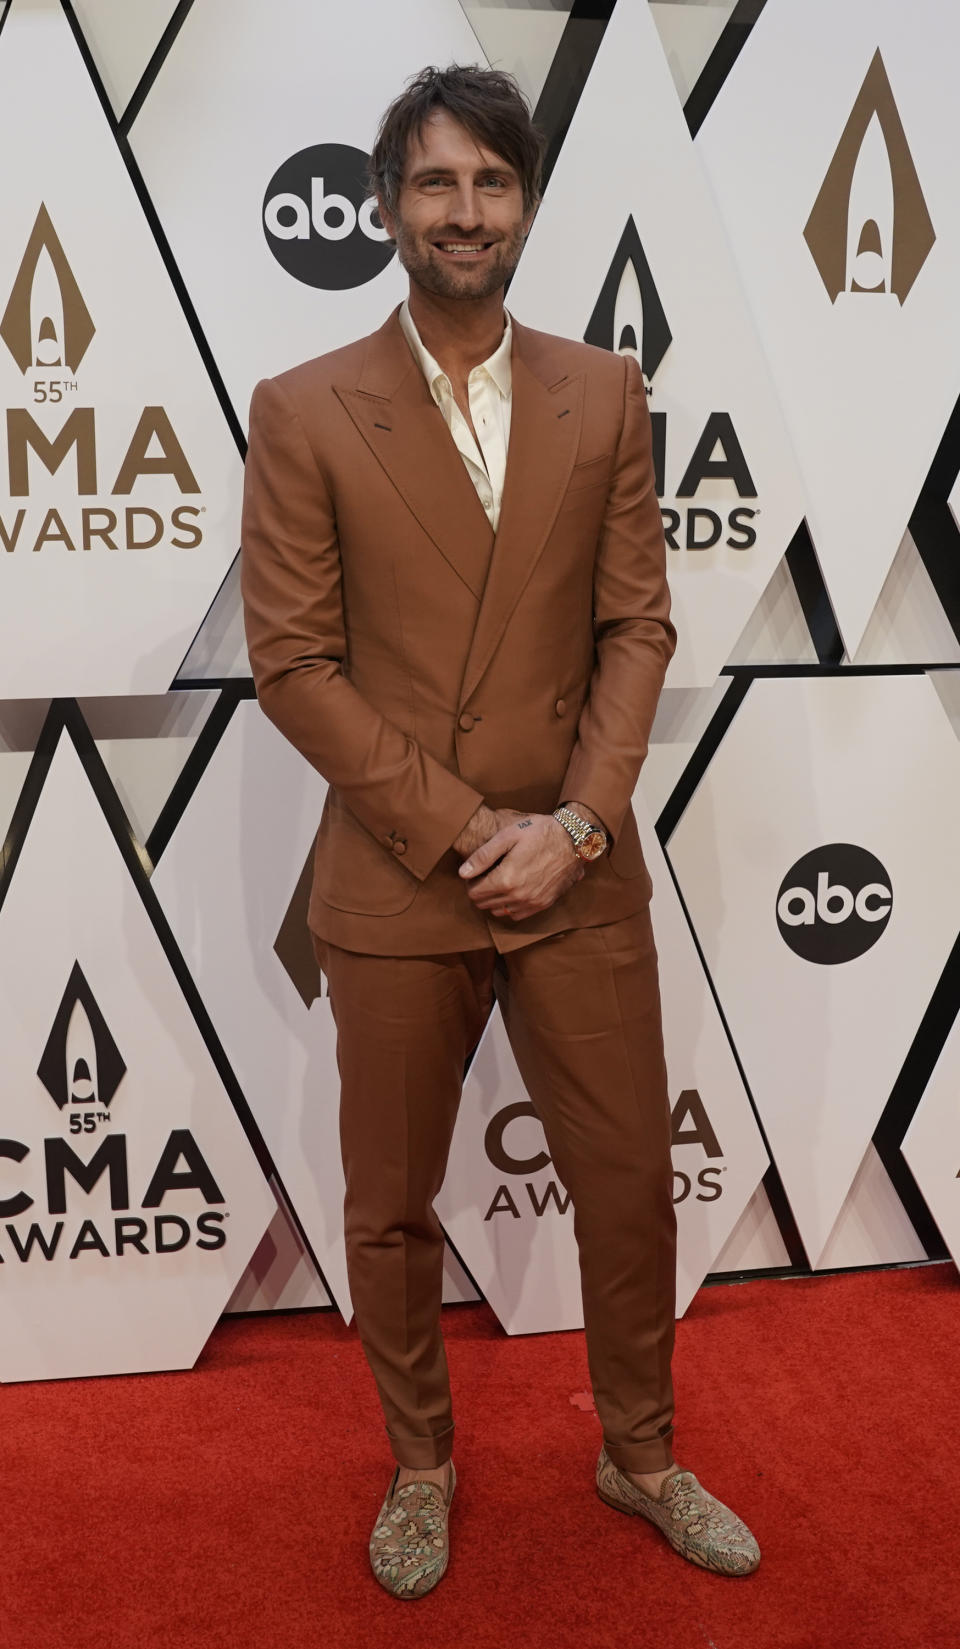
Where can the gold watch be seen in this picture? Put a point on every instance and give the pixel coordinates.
(589, 841)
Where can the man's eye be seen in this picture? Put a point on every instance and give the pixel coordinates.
(494, 183)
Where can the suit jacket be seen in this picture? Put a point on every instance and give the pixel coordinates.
(424, 665)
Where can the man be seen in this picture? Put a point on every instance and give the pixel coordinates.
(457, 610)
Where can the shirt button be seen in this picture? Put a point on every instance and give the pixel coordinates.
(399, 847)
(465, 723)
(561, 707)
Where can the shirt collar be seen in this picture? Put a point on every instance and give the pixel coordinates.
(498, 365)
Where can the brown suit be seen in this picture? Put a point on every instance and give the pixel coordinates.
(518, 674)
(424, 667)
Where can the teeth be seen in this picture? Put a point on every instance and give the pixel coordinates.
(459, 246)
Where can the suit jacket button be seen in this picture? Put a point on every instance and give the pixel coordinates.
(388, 841)
(399, 847)
(466, 722)
(561, 707)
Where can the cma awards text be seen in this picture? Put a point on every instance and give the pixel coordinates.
(129, 1232)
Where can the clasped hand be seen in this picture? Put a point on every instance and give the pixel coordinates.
(523, 866)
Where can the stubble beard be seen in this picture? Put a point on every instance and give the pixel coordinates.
(417, 256)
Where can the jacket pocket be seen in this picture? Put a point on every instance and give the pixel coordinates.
(591, 472)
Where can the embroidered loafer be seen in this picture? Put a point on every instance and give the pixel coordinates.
(410, 1547)
(697, 1526)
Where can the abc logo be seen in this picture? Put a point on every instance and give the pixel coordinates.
(321, 221)
(834, 904)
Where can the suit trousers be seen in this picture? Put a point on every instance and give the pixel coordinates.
(582, 1012)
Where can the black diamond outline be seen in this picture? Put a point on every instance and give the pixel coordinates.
(65, 719)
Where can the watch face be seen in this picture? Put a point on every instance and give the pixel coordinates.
(593, 845)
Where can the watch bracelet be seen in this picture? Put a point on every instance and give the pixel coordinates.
(577, 828)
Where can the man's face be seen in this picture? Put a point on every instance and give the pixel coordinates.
(459, 224)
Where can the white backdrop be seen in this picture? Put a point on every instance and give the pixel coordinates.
(106, 1070)
(823, 1033)
(197, 277)
(727, 531)
(867, 373)
(121, 509)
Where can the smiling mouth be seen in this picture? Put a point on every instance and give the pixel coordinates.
(462, 248)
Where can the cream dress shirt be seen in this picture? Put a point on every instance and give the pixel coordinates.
(490, 394)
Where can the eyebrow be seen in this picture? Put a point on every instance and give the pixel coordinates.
(450, 171)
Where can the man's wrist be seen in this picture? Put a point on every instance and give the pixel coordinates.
(478, 829)
(584, 812)
(588, 838)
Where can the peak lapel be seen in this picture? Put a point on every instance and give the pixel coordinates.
(404, 428)
(544, 437)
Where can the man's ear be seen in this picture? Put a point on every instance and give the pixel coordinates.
(386, 218)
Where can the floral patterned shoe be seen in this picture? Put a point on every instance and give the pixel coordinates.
(697, 1526)
(409, 1547)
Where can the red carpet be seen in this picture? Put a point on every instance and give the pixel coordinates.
(230, 1507)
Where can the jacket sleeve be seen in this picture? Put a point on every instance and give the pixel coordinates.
(293, 611)
(634, 639)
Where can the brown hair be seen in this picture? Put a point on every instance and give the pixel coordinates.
(487, 102)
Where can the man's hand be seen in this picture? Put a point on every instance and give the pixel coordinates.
(481, 826)
(537, 865)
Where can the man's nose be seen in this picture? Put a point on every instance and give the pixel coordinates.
(466, 206)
